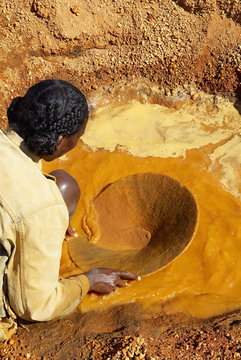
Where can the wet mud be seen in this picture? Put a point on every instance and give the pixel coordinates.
(145, 221)
(128, 218)
(149, 58)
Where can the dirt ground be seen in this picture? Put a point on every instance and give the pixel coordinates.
(97, 45)
(124, 333)
(93, 43)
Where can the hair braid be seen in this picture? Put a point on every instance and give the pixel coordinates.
(49, 109)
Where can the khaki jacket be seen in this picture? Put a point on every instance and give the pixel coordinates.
(33, 221)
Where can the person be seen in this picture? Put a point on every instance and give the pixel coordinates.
(44, 124)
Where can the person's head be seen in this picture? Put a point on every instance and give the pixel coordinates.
(50, 118)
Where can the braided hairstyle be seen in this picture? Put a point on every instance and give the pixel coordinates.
(49, 108)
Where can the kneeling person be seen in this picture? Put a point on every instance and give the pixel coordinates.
(45, 124)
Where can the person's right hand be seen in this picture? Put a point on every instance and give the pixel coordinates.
(104, 280)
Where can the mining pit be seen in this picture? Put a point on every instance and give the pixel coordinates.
(158, 167)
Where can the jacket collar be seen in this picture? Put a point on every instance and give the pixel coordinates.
(19, 142)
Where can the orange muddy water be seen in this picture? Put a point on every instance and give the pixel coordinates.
(178, 221)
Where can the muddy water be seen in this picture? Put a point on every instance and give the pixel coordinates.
(195, 142)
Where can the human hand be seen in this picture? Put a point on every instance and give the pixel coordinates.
(104, 280)
(70, 232)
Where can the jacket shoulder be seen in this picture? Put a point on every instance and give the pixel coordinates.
(23, 187)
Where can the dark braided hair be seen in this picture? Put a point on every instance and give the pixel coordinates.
(50, 108)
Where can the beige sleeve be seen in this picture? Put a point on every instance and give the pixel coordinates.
(34, 289)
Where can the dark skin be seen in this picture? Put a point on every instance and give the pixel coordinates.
(65, 143)
(102, 280)
(70, 191)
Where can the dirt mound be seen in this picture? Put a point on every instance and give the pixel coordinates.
(85, 21)
(230, 8)
(93, 43)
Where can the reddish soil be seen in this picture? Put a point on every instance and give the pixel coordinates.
(91, 43)
(96, 44)
(124, 333)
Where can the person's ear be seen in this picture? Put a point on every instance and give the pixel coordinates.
(60, 141)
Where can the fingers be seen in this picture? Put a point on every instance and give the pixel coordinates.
(127, 275)
(124, 275)
(105, 280)
(120, 283)
(103, 288)
(107, 288)
(70, 232)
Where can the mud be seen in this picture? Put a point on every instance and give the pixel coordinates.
(195, 143)
(179, 46)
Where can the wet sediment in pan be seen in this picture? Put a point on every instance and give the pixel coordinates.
(145, 221)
